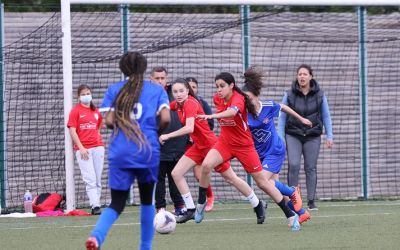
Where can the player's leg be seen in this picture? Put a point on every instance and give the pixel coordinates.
(182, 167)
(272, 165)
(212, 160)
(268, 187)
(252, 165)
(147, 211)
(89, 177)
(230, 177)
(120, 181)
(179, 204)
(210, 194)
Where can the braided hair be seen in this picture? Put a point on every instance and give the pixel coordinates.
(228, 78)
(133, 65)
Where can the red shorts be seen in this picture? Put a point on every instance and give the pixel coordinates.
(247, 155)
(198, 155)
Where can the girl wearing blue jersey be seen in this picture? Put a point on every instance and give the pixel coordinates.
(132, 107)
(270, 147)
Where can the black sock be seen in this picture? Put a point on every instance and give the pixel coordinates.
(285, 208)
(202, 195)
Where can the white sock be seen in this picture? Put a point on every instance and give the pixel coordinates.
(253, 199)
(187, 198)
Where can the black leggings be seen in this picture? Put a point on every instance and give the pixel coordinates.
(119, 197)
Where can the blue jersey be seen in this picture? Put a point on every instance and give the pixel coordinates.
(266, 139)
(124, 153)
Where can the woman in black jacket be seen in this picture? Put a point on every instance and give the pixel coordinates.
(308, 100)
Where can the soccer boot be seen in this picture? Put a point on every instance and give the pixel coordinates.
(187, 215)
(210, 203)
(199, 215)
(294, 223)
(92, 244)
(260, 212)
(304, 217)
(296, 199)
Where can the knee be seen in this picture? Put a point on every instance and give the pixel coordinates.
(175, 175)
(117, 206)
(310, 170)
(91, 185)
(206, 167)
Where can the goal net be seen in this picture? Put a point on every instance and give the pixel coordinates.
(201, 45)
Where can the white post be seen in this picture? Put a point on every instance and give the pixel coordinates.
(67, 77)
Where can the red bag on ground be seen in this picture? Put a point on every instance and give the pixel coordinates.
(46, 202)
(78, 213)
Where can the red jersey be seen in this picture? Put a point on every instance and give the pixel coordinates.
(202, 136)
(88, 124)
(234, 130)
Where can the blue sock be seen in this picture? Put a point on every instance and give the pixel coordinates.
(284, 189)
(104, 223)
(147, 213)
(300, 212)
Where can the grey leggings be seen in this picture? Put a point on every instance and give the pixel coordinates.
(309, 148)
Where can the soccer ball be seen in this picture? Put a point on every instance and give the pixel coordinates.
(164, 222)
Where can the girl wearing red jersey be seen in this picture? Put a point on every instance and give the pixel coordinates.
(84, 127)
(236, 141)
(188, 107)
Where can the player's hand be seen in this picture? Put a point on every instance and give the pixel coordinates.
(329, 143)
(84, 154)
(163, 138)
(306, 122)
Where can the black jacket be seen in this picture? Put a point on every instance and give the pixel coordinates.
(207, 111)
(174, 148)
(309, 106)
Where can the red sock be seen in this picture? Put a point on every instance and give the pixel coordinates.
(209, 191)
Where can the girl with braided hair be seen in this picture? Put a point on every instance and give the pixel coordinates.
(270, 147)
(235, 141)
(132, 107)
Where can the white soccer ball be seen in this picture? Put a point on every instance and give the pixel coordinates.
(164, 222)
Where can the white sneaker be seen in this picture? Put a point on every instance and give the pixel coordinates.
(294, 223)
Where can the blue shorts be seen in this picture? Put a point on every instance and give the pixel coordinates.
(123, 178)
(273, 163)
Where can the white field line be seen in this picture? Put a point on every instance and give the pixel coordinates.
(206, 220)
(272, 205)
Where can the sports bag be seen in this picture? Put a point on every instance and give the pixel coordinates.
(46, 202)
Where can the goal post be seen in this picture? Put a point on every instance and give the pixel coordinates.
(67, 54)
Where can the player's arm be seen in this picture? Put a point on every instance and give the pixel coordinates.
(293, 113)
(110, 117)
(230, 112)
(187, 129)
(75, 138)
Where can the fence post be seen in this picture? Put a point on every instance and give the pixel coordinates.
(2, 123)
(244, 17)
(363, 71)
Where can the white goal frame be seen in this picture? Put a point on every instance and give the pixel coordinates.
(67, 53)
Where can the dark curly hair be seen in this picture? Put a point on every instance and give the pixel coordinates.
(228, 78)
